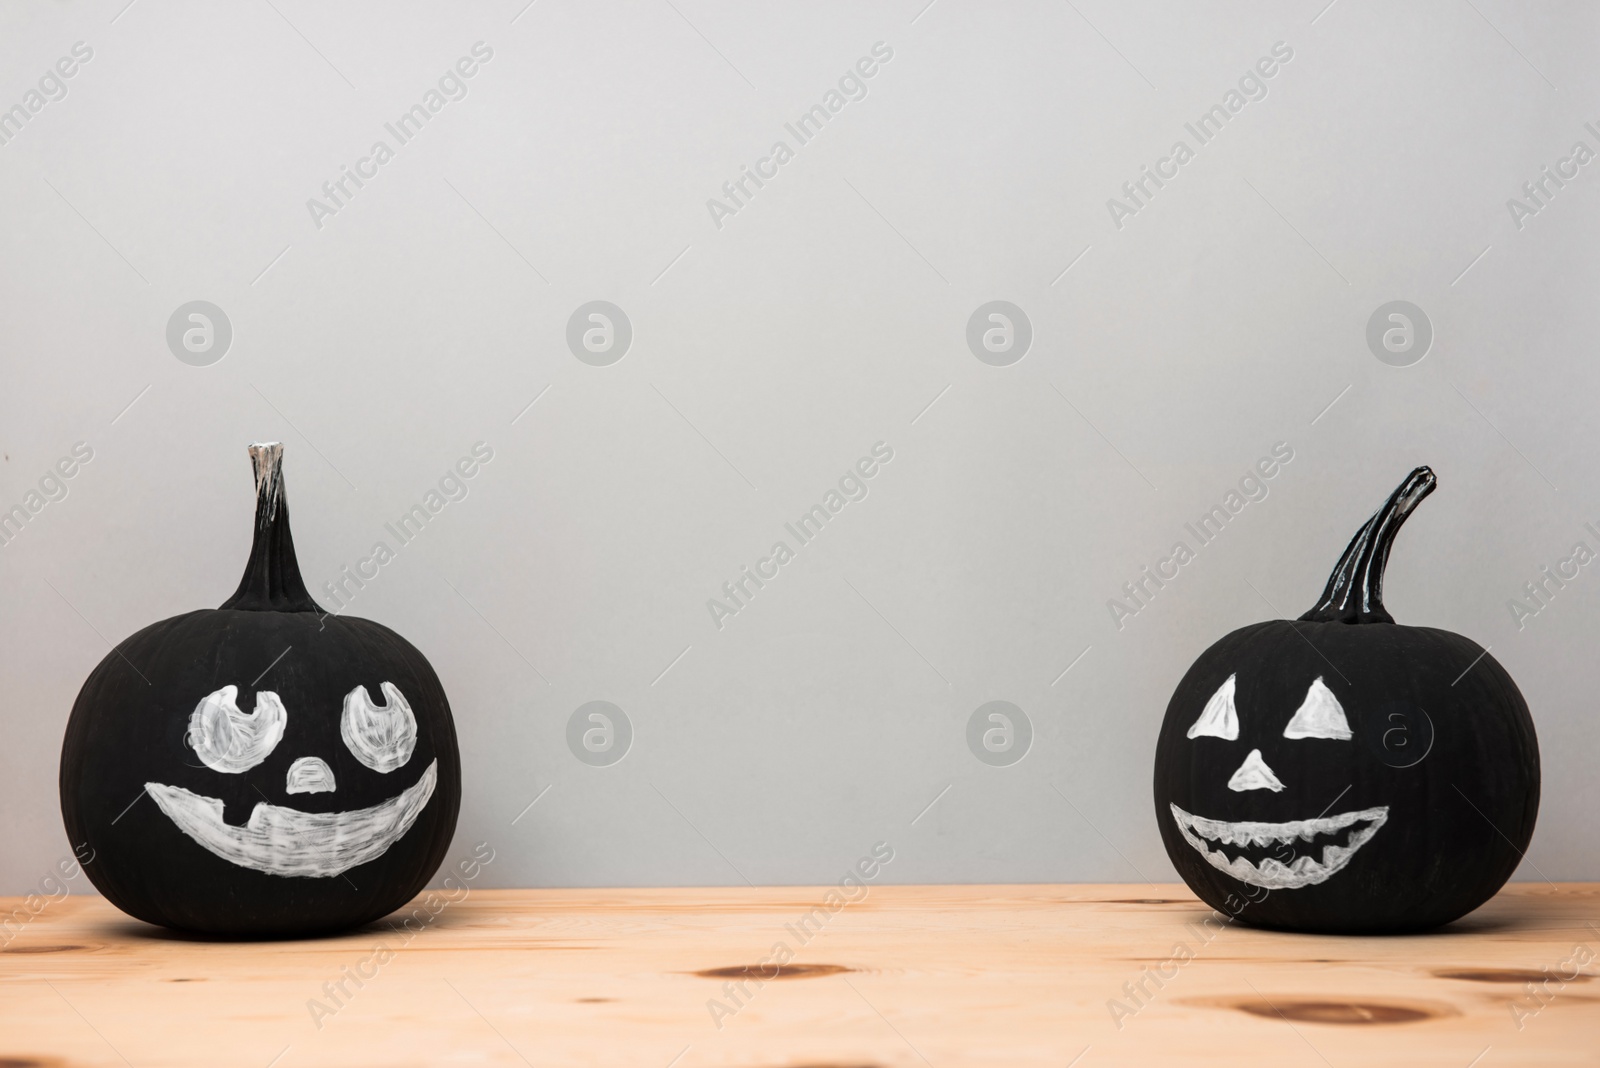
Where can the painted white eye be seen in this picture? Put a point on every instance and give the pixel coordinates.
(227, 740)
(1319, 716)
(1219, 719)
(380, 737)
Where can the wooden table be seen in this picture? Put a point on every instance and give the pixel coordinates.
(907, 975)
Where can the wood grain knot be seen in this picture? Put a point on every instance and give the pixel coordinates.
(1506, 975)
(592, 1001)
(1142, 901)
(766, 972)
(27, 1062)
(1308, 1010)
(43, 949)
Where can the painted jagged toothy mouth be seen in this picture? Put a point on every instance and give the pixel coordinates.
(288, 842)
(1280, 866)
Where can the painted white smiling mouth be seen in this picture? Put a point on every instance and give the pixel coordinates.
(1281, 869)
(286, 841)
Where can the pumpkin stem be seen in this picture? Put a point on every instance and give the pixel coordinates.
(1355, 589)
(271, 581)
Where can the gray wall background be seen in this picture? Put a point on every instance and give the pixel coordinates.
(769, 354)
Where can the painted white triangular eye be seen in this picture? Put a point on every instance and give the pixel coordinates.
(1319, 716)
(1218, 720)
(381, 738)
(227, 740)
(1254, 774)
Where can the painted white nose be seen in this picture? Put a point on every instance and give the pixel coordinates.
(311, 775)
(1254, 774)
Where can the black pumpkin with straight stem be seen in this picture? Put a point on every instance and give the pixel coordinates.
(1344, 773)
(262, 769)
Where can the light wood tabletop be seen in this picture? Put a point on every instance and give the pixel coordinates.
(904, 975)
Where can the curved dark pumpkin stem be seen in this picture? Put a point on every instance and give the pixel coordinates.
(1355, 589)
(271, 580)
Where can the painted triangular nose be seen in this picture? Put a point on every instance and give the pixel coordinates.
(1254, 774)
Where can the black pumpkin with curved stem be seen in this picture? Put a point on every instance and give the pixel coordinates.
(1343, 773)
(262, 769)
